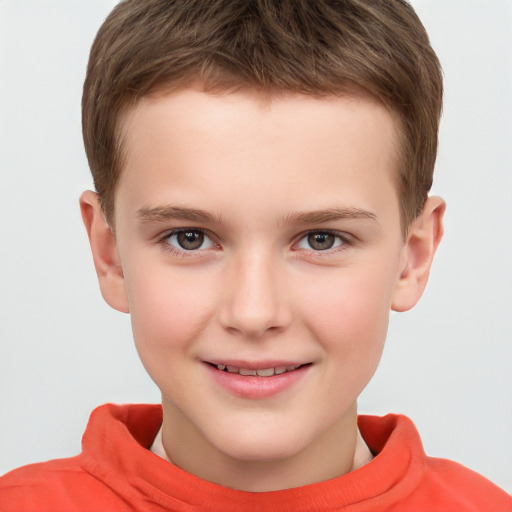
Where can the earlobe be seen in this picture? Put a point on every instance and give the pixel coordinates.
(423, 238)
(104, 252)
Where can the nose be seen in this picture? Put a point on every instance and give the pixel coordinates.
(255, 301)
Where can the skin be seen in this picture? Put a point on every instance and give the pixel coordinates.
(269, 175)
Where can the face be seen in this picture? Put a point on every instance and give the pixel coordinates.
(260, 246)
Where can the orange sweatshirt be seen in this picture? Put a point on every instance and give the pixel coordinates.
(117, 472)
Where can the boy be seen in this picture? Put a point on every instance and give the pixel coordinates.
(262, 174)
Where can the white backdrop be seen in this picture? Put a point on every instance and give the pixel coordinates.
(447, 363)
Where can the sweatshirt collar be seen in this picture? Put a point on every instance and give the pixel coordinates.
(116, 449)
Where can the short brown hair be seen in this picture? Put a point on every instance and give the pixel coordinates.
(313, 47)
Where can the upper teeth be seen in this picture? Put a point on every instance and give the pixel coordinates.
(264, 372)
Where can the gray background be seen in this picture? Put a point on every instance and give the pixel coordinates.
(447, 363)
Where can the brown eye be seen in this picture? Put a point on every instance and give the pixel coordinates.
(190, 240)
(321, 241)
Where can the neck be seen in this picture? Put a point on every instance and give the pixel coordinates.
(337, 451)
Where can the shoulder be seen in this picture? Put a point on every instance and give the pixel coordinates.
(449, 482)
(96, 479)
(56, 485)
(414, 481)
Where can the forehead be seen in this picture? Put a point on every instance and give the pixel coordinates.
(302, 145)
(175, 105)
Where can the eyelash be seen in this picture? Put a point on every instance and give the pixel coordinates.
(184, 253)
(344, 241)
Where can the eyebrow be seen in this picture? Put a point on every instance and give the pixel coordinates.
(169, 212)
(330, 214)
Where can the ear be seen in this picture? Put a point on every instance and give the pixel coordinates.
(104, 252)
(423, 237)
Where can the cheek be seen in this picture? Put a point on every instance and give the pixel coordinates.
(167, 310)
(349, 315)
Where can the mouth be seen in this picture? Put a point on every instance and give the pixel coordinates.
(257, 380)
(257, 372)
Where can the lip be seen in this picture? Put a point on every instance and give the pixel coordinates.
(256, 387)
(255, 365)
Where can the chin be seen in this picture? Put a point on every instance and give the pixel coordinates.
(261, 445)
(260, 452)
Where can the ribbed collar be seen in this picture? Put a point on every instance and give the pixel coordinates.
(116, 450)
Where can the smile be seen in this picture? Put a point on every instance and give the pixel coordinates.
(263, 372)
(257, 380)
